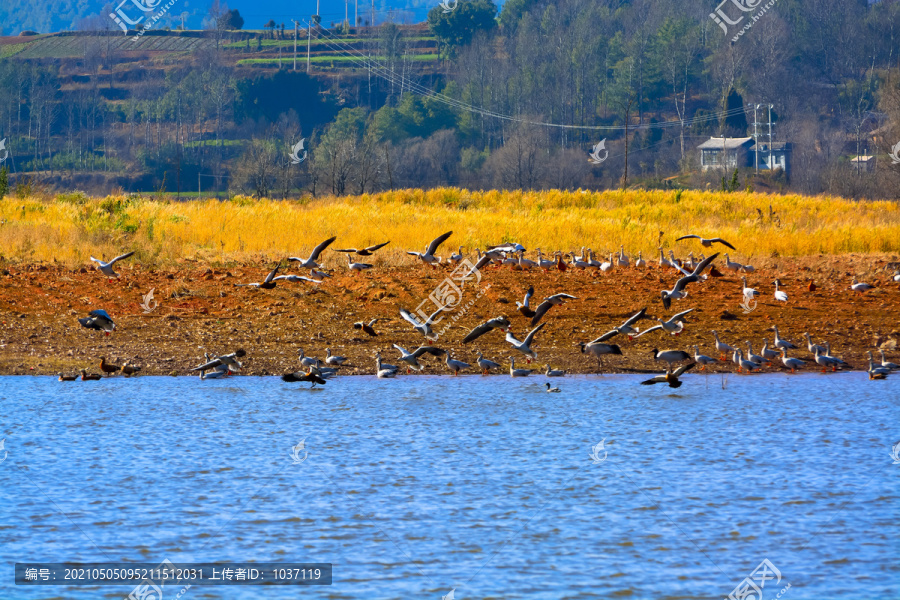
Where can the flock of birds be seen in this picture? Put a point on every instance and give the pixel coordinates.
(691, 271)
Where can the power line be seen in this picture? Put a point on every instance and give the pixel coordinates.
(401, 80)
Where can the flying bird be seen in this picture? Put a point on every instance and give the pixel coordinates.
(678, 291)
(412, 358)
(673, 325)
(296, 279)
(367, 251)
(228, 362)
(312, 376)
(524, 346)
(669, 377)
(423, 328)
(107, 267)
(524, 306)
(706, 242)
(627, 327)
(547, 304)
(310, 263)
(98, 319)
(495, 323)
(367, 327)
(267, 284)
(428, 256)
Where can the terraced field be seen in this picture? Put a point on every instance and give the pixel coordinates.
(330, 51)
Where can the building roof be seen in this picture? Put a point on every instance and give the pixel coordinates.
(864, 159)
(776, 147)
(715, 143)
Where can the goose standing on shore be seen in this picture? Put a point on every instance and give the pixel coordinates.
(782, 344)
(791, 363)
(813, 348)
(357, 266)
(334, 360)
(428, 257)
(825, 362)
(678, 291)
(749, 365)
(310, 263)
(702, 359)
(107, 267)
(722, 347)
(524, 346)
(640, 263)
(383, 370)
(877, 372)
(486, 365)
(455, 365)
(760, 360)
(767, 353)
(732, 266)
(456, 258)
(542, 262)
(749, 292)
(779, 295)
(307, 361)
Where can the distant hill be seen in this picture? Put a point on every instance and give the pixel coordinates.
(46, 16)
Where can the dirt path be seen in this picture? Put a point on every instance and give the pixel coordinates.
(200, 310)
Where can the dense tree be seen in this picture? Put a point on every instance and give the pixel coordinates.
(457, 27)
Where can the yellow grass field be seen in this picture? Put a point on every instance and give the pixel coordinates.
(71, 227)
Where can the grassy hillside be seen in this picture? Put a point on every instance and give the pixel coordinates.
(71, 227)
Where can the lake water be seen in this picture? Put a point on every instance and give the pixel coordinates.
(415, 486)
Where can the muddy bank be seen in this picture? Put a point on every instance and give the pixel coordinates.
(200, 309)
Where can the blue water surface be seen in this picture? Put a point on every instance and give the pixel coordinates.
(416, 486)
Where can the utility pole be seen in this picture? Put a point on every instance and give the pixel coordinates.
(769, 153)
(347, 12)
(296, 32)
(198, 185)
(355, 12)
(755, 138)
(372, 24)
